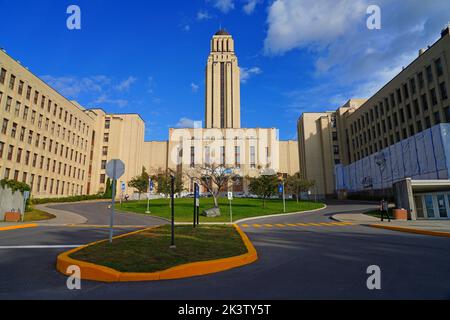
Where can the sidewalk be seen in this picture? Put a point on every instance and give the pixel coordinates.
(427, 227)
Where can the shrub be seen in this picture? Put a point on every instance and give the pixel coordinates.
(69, 199)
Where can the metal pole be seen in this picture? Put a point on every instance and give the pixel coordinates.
(195, 204)
(284, 200)
(111, 231)
(24, 209)
(172, 201)
(231, 212)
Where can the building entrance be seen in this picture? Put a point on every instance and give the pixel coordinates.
(433, 205)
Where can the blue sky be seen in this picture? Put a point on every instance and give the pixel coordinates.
(148, 57)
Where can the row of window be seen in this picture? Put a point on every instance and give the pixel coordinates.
(45, 103)
(373, 134)
(25, 157)
(45, 184)
(59, 130)
(237, 156)
(46, 144)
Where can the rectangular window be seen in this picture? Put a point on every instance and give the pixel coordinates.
(7, 173)
(5, 126)
(223, 157)
(437, 118)
(102, 178)
(104, 151)
(429, 74)
(252, 157)
(106, 138)
(25, 113)
(103, 166)
(17, 109)
(12, 82)
(424, 102)
(439, 68)
(28, 96)
(14, 130)
(447, 114)
(421, 80)
(107, 124)
(207, 155)
(22, 134)
(434, 99)
(2, 148)
(2, 76)
(19, 155)
(8, 104)
(10, 152)
(20, 89)
(192, 157)
(36, 97)
(237, 157)
(443, 91)
(412, 83)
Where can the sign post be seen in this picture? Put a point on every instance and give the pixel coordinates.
(282, 191)
(26, 196)
(115, 170)
(172, 202)
(230, 198)
(122, 188)
(150, 190)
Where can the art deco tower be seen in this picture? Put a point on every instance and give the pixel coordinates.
(223, 101)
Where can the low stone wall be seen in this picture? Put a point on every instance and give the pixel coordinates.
(10, 201)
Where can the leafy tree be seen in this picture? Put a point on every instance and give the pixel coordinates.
(164, 183)
(264, 187)
(295, 185)
(140, 183)
(212, 177)
(108, 189)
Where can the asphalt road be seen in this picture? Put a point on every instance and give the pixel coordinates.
(322, 262)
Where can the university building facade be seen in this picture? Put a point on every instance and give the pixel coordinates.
(399, 133)
(60, 148)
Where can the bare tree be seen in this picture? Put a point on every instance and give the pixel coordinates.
(213, 178)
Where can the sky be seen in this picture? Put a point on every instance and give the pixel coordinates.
(149, 57)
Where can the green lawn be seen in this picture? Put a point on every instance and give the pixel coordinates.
(37, 215)
(149, 251)
(242, 208)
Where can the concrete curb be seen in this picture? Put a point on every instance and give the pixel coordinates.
(16, 227)
(281, 215)
(93, 272)
(411, 230)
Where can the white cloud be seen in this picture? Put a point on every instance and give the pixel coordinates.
(298, 23)
(203, 15)
(187, 28)
(71, 87)
(224, 5)
(194, 87)
(185, 123)
(103, 99)
(126, 84)
(351, 61)
(250, 6)
(247, 73)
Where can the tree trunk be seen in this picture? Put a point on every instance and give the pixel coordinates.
(216, 202)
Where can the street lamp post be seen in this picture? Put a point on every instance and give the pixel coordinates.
(381, 163)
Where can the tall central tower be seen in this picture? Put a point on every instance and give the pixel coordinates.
(223, 96)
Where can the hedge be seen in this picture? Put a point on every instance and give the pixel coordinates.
(69, 199)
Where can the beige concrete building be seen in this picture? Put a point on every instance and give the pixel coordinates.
(61, 149)
(45, 140)
(117, 136)
(413, 101)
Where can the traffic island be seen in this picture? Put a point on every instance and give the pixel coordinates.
(145, 255)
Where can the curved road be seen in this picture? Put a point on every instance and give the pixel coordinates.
(313, 261)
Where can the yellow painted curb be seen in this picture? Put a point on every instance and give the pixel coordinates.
(410, 230)
(23, 226)
(93, 272)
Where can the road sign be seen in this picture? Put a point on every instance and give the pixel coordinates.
(115, 169)
(26, 195)
(280, 188)
(123, 186)
(151, 185)
(230, 196)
